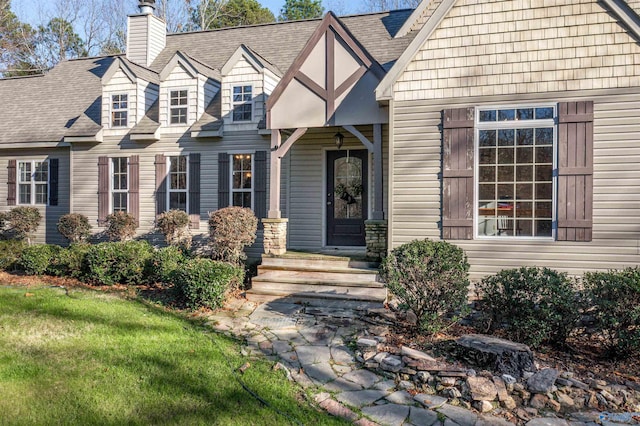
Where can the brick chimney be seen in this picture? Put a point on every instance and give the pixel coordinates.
(147, 34)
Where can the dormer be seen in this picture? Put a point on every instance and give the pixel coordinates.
(128, 92)
(146, 36)
(187, 88)
(247, 81)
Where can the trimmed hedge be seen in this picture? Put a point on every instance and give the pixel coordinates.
(163, 263)
(117, 263)
(533, 305)
(430, 278)
(614, 298)
(10, 253)
(38, 259)
(204, 282)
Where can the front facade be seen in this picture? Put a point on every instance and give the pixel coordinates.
(508, 128)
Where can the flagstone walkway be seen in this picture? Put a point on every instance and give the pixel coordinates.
(313, 344)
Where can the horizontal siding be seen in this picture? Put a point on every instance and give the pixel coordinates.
(616, 223)
(137, 37)
(179, 79)
(48, 230)
(119, 84)
(243, 73)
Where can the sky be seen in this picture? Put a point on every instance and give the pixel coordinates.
(30, 11)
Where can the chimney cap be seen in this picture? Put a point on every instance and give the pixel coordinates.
(147, 6)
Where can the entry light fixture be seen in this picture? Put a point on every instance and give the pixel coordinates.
(339, 139)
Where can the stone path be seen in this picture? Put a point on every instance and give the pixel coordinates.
(313, 344)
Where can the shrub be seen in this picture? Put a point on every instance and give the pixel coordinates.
(24, 221)
(204, 282)
(614, 298)
(430, 278)
(174, 225)
(533, 305)
(69, 262)
(117, 262)
(230, 230)
(74, 227)
(3, 220)
(163, 263)
(10, 252)
(36, 259)
(121, 226)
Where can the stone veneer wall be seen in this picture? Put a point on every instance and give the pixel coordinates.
(275, 236)
(376, 238)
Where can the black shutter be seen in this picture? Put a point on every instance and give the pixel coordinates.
(575, 171)
(53, 181)
(457, 174)
(161, 185)
(223, 180)
(194, 191)
(260, 189)
(11, 183)
(103, 190)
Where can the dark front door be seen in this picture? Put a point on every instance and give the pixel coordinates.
(347, 182)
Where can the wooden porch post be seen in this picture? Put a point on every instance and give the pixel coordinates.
(378, 188)
(274, 176)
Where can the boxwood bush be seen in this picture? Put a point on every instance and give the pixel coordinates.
(430, 278)
(204, 282)
(10, 252)
(614, 299)
(117, 263)
(163, 263)
(75, 227)
(533, 305)
(37, 259)
(231, 229)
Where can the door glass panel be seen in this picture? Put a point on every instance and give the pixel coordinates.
(348, 189)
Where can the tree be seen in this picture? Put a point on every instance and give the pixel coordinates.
(16, 44)
(205, 14)
(381, 5)
(244, 12)
(301, 9)
(56, 42)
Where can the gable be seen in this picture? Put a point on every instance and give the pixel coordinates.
(330, 83)
(521, 46)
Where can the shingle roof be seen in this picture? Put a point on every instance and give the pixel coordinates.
(46, 108)
(150, 122)
(67, 100)
(211, 120)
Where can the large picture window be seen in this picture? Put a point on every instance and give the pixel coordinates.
(178, 185)
(242, 103)
(178, 100)
(242, 180)
(515, 165)
(33, 182)
(119, 185)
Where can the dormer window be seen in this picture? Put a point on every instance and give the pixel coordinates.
(119, 110)
(242, 104)
(178, 109)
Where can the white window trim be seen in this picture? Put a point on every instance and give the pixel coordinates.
(32, 182)
(252, 103)
(253, 186)
(514, 124)
(112, 190)
(168, 179)
(169, 106)
(127, 110)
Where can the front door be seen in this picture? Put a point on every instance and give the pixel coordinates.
(347, 184)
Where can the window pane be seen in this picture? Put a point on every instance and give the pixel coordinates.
(525, 191)
(506, 137)
(543, 228)
(544, 154)
(505, 226)
(488, 115)
(524, 228)
(506, 115)
(525, 137)
(544, 113)
(543, 210)
(524, 155)
(505, 192)
(242, 199)
(487, 174)
(119, 201)
(42, 193)
(25, 172)
(543, 191)
(487, 156)
(544, 173)
(525, 114)
(524, 210)
(505, 156)
(178, 200)
(544, 136)
(25, 193)
(505, 174)
(487, 138)
(524, 173)
(487, 192)
(246, 200)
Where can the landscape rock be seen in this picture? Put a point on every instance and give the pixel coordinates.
(461, 416)
(430, 401)
(422, 417)
(415, 354)
(539, 401)
(392, 363)
(503, 356)
(388, 414)
(482, 389)
(483, 406)
(542, 381)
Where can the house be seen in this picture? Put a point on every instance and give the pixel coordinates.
(506, 127)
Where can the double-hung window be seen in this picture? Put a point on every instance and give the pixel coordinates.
(178, 185)
(33, 182)
(119, 184)
(119, 110)
(515, 184)
(178, 106)
(242, 103)
(242, 180)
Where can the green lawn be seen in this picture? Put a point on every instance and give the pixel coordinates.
(93, 358)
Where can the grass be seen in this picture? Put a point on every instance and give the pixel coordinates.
(88, 358)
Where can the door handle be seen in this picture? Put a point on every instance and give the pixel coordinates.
(328, 203)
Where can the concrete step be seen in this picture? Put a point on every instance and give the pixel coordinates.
(317, 274)
(306, 261)
(319, 282)
(315, 302)
(299, 295)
